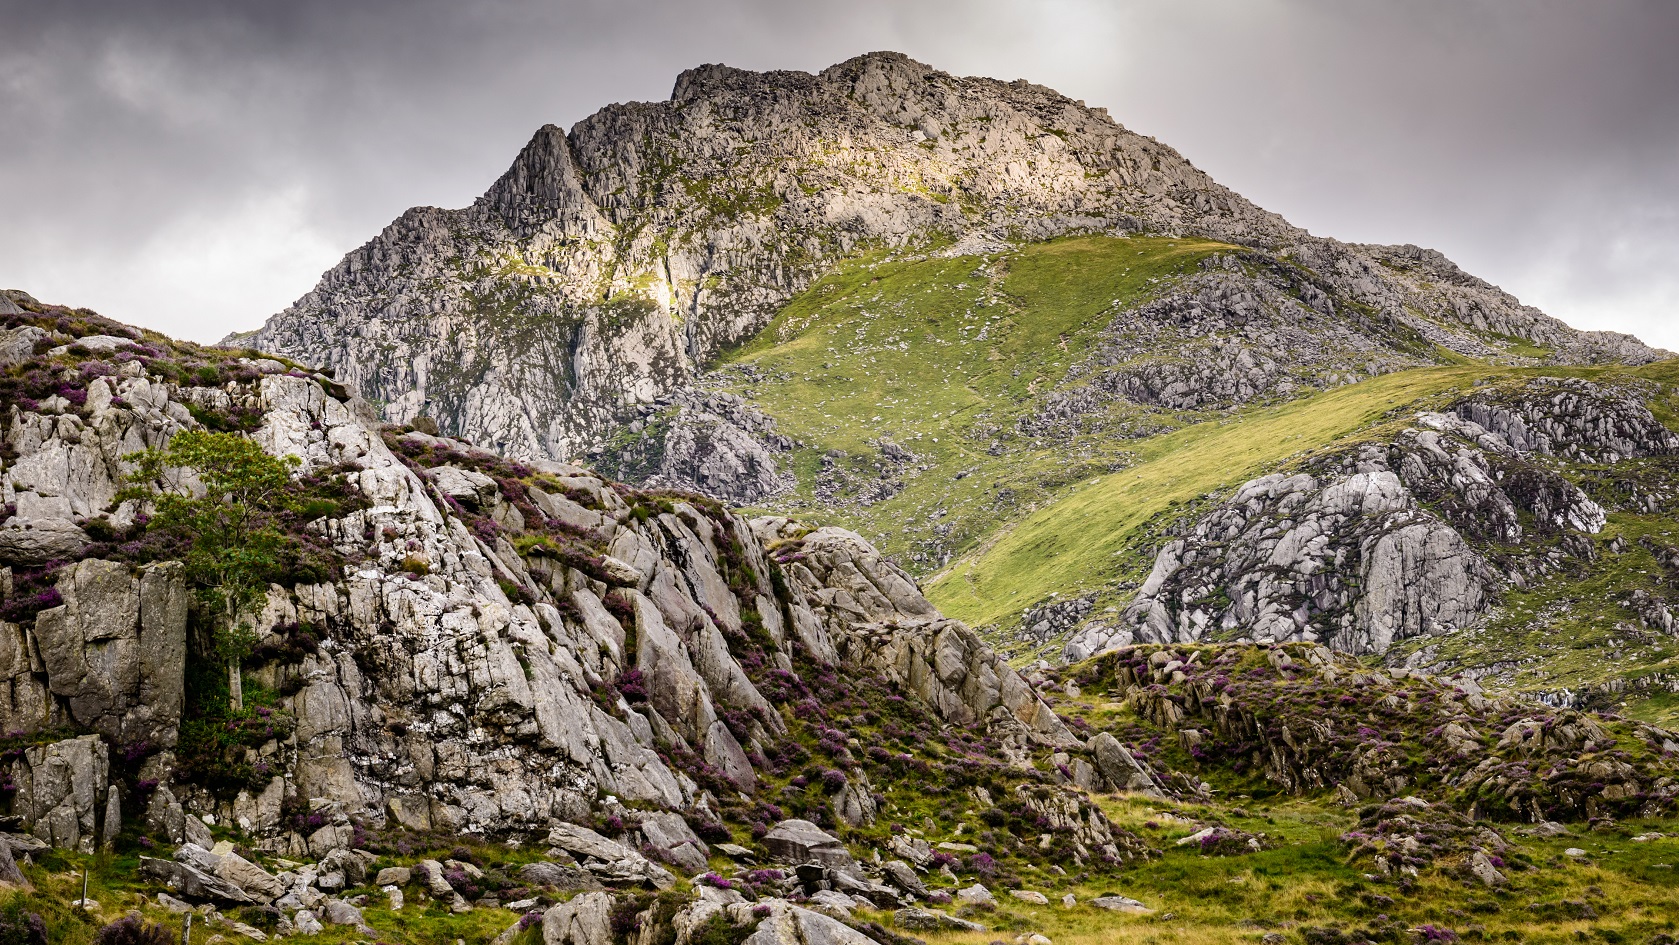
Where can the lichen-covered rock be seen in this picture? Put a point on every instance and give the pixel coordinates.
(115, 650)
(62, 791)
(1385, 541)
(799, 841)
(582, 920)
(878, 617)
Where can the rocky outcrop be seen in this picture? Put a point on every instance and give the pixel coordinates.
(878, 618)
(795, 842)
(711, 442)
(612, 263)
(1392, 540)
(1223, 338)
(1276, 711)
(467, 644)
(115, 651)
(63, 794)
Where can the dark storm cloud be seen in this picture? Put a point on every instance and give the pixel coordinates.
(194, 166)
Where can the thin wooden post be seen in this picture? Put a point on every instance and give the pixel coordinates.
(186, 929)
(84, 889)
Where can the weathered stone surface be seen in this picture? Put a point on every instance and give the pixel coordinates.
(192, 880)
(339, 912)
(582, 920)
(393, 876)
(669, 833)
(608, 858)
(926, 920)
(1120, 768)
(115, 651)
(558, 875)
(62, 791)
(800, 841)
(877, 617)
(257, 882)
(33, 541)
(900, 873)
(1484, 870)
(17, 343)
(1120, 904)
(306, 923)
(792, 925)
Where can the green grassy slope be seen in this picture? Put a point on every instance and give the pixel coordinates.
(939, 356)
(1085, 538)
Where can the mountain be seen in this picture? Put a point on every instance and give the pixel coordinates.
(509, 700)
(1047, 366)
(612, 264)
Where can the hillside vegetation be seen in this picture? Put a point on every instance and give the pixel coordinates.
(911, 391)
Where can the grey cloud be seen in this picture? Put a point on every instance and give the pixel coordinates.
(195, 166)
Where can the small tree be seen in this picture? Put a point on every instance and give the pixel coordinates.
(222, 497)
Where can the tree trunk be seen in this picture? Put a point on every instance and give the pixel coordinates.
(235, 685)
(235, 679)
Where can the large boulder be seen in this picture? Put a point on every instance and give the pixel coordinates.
(36, 541)
(195, 874)
(558, 875)
(62, 792)
(800, 841)
(18, 344)
(584, 920)
(609, 859)
(115, 650)
(788, 924)
(674, 841)
(1121, 769)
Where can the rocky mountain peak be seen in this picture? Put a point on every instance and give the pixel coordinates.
(614, 262)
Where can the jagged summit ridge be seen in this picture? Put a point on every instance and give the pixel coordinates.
(613, 262)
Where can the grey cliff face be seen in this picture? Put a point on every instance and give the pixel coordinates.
(468, 676)
(1392, 540)
(613, 263)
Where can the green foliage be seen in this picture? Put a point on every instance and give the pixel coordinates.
(217, 741)
(19, 926)
(134, 930)
(223, 495)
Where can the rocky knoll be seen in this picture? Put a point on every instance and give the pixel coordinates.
(1410, 535)
(1308, 719)
(613, 262)
(469, 646)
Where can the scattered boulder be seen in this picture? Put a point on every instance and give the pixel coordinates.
(899, 872)
(1121, 769)
(675, 842)
(800, 841)
(927, 920)
(1482, 866)
(1120, 904)
(558, 875)
(609, 859)
(583, 920)
(393, 876)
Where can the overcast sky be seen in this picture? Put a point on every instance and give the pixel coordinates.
(194, 167)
